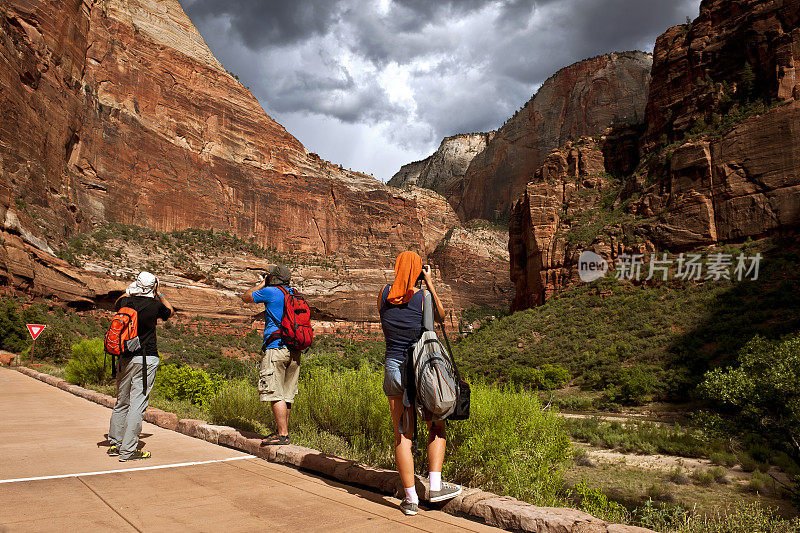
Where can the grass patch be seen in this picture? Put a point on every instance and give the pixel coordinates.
(647, 437)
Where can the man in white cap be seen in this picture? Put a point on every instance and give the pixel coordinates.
(133, 394)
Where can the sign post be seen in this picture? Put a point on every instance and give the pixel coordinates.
(35, 330)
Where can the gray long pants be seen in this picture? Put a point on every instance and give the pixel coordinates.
(126, 420)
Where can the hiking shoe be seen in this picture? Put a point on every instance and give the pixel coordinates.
(448, 491)
(135, 456)
(409, 508)
(113, 451)
(276, 440)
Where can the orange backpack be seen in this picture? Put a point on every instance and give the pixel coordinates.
(122, 339)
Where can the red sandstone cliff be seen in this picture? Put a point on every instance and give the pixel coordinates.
(735, 51)
(580, 100)
(720, 159)
(563, 211)
(118, 112)
(717, 175)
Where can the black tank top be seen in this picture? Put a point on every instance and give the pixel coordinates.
(402, 324)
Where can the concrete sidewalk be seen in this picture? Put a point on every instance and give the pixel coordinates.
(46, 432)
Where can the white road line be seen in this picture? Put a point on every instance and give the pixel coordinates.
(176, 465)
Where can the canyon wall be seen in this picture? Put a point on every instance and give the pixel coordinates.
(117, 111)
(723, 126)
(734, 52)
(580, 100)
(446, 167)
(719, 160)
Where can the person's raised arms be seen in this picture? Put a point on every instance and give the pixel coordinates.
(248, 295)
(438, 307)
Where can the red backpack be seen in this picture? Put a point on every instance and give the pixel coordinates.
(294, 329)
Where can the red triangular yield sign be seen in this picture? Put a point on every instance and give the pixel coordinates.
(35, 329)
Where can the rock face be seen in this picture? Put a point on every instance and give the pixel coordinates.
(725, 181)
(116, 111)
(558, 215)
(719, 159)
(445, 168)
(734, 51)
(745, 184)
(456, 258)
(580, 100)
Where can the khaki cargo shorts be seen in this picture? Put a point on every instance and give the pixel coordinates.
(277, 378)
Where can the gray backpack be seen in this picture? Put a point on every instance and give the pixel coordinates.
(432, 379)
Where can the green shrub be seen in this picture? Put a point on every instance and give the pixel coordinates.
(508, 445)
(747, 463)
(633, 386)
(237, 405)
(703, 477)
(660, 492)
(597, 504)
(174, 382)
(351, 405)
(722, 458)
(546, 377)
(678, 476)
(14, 335)
(719, 474)
(758, 482)
(52, 345)
(88, 363)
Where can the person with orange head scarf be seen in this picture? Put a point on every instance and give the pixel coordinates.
(407, 270)
(400, 306)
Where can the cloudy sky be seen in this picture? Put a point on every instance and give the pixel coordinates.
(375, 84)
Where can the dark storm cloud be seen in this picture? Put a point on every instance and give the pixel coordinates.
(589, 29)
(278, 22)
(260, 23)
(466, 65)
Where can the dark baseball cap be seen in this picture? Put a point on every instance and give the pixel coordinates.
(279, 275)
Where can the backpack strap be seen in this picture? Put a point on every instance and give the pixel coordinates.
(427, 311)
(277, 333)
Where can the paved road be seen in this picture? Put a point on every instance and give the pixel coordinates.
(55, 476)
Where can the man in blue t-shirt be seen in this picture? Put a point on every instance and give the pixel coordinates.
(280, 367)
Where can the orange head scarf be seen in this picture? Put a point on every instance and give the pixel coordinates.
(407, 269)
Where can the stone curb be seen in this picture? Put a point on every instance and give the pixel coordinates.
(499, 511)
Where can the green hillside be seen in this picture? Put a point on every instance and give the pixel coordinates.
(635, 341)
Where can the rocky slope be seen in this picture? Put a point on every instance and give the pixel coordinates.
(723, 125)
(446, 166)
(734, 51)
(563, 211)
(580, 100)
(719, 161)
(116, 111)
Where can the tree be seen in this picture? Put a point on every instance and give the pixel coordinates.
(748, 81)
(763, 391)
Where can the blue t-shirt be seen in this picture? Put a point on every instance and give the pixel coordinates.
(272, 298)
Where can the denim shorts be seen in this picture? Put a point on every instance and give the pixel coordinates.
(394, 377)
